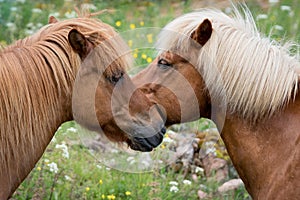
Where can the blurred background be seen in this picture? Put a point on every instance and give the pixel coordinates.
(73, 169)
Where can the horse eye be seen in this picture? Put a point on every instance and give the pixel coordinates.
(162, 62)
(115, 78)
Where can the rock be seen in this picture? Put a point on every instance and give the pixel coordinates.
(215, 166)
(201, 194)
(232, 184)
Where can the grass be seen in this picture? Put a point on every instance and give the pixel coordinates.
(68, 170)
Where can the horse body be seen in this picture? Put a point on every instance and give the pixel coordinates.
(37, 77)
(245, 83)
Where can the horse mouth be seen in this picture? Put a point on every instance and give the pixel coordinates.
(147, 144)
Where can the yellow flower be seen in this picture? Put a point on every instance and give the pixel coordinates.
(87, 189)
(39, 168)
(149, 60)
(118, 23)
(103, 196)
(150, 38)
(132, 26)
(163, 146)
(111, 197)
(135, 55)
(127, 193)
(142, 23)
(130, 43)
(144, 56)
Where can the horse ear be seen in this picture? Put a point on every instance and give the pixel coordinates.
(203, 32)
(79, 43)
(52, 20)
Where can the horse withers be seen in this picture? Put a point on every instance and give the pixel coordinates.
(220, 67)
(37, 83)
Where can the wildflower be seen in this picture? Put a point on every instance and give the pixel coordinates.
(163, 146)
(39, 168)
(103, 196)
(278, 27)
(11, 26)
(285, 8)
(70, 14)
(12, 9)
(261, 16)
(132, 26)
(36, 10)
(199, 170)
(118, 23)
(142, 23)
(144, 56)
(173, 183)
(174, 188)
(46, 161)
(64, 148)
(68, 178)
(53, 167)
(100, 182)
(128, 193)
(135, 55)
(149, 60)
(150, 38)
(88, 6)
(99, 166)
(111, 197)
(130, 43)
(187, 182)
(72, 129)
(273, 1)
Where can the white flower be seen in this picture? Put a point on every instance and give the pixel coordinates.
(36, 10)
(72, 129)
(70, 14)
(273, 1)
(174, 188)
(261, 16)
(285, 8)
(13, 9)
(99, 166)
(173, 183)
(89, 6)
(53, 167)
(21, 1)
(199, 170)
(187, 182)
(278, 27)
(68, 178)
(64, 149)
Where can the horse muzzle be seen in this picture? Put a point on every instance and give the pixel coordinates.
(146, 144)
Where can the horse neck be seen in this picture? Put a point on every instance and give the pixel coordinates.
(266, 155)
(35, 106)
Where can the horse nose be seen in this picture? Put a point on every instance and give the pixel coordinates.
(149, 143)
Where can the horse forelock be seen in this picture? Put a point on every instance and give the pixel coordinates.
(253, 74)
(37, 76)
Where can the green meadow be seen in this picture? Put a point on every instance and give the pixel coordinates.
(70, 170)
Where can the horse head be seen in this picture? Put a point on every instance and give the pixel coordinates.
(173, 81)
(104, 97)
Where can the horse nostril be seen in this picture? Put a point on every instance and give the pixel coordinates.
(163, 130)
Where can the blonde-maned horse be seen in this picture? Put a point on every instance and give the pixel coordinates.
(209, 63)
(37, 77)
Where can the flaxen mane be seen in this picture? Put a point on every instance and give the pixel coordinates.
(253, 74)
(37, 76)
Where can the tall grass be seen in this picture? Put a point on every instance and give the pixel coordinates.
(68, 170)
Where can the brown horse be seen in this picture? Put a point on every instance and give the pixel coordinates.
(221, 67)
(37, 77)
